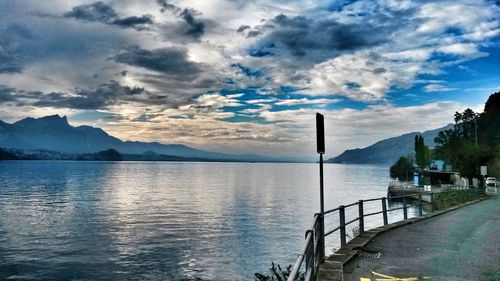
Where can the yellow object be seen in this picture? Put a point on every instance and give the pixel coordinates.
(390, 278)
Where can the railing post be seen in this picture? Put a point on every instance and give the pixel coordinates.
(321, 239)
(310, 259)
(405, 211)
(420, 212)
(342, 225)
(433, 202)
(361, 217)
(384, 210)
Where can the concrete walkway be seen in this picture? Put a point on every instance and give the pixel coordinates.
(463, 244)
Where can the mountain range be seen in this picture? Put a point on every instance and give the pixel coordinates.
(53, 137)
(387, 151)
(54, 134)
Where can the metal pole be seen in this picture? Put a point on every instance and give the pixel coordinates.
(342, 225)
(405, 211)
(420, 205)
(320, 143)
(361, 217)
(384, 211)
(322, 207)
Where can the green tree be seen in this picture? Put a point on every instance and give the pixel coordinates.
(446, 142)
(458, 145)
(422, 152)
(402, 169)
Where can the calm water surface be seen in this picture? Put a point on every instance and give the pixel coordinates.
(163, 220)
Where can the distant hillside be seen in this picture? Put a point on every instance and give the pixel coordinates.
(386, 151)
(54, 134)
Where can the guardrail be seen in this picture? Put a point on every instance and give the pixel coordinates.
(313, 252)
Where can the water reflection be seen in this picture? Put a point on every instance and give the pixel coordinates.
(163, 221)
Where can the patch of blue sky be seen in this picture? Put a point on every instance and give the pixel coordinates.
(92, 115)
(247, 70)
(255, 96)
(262, 50)
(470, 82)
(336, 6)
(453, 30)
(243, 118)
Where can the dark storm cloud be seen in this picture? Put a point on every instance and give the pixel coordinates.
(300, 34)
(111, 93)
(243, 28)
(97, 11)
(6, 94)
(8, 64)
(165, 6)
(104, 95)
(134, 21)
(253, 33)
(11, 37)
(191, 26)
(170, 61)
(100, 12)
(319, 39)
(196, 28)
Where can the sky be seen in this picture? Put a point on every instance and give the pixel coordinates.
(247, 76)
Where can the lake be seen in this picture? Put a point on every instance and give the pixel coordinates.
(63, 220)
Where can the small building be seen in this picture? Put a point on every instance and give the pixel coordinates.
(441, 178)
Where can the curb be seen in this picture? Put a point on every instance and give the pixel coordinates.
(332, 268)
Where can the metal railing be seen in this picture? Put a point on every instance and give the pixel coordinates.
(313, 252)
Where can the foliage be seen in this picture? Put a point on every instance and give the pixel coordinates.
(278, 274)
(422, 152)
(402, 169)
(354, 232)
(489, 122)
(474, 139)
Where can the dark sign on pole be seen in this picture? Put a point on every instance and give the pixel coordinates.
(320, 136)
(320, 133)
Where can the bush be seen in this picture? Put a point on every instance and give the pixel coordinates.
(277, 274)
(402, 169)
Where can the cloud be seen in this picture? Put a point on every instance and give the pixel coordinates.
(8, 63)
(133, 21)
(101, 97)
(196, 28)
(459, 49)
(100, 12)
(430, 88)
(190, 27)
(193, 60)
(243, 28)
(318, 38)
(167, 6)
(247, 70)
(305, 101)
(6, 94)
(377, 46)
(170, 61)
(11, 37)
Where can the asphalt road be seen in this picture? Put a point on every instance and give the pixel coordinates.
(460, 245)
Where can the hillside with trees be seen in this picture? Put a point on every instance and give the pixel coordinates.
(473, 141)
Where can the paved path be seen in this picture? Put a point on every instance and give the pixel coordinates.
(463, 244)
